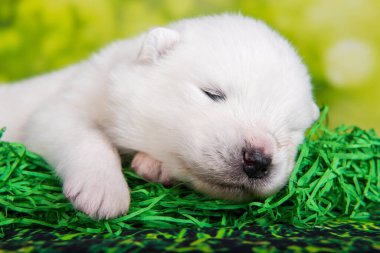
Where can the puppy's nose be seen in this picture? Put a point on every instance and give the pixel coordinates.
(256, 164)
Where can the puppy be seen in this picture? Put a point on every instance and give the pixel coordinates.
(219, 102)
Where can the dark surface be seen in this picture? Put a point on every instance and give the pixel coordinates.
(342, 236)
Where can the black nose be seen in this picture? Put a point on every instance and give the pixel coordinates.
(256, 164)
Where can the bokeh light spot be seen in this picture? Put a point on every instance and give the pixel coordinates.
(349, 62)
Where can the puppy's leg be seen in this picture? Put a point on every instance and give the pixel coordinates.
(84, 159)
(149, 168)
(93, 180)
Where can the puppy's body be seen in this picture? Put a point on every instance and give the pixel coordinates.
(219, 102)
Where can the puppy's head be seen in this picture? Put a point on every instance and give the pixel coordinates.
(222, 101)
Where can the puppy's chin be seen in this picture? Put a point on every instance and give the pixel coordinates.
(226, 192)
(233, 192)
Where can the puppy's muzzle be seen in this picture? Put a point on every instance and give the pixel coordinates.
(256, 164)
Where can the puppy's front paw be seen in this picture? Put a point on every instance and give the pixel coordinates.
(100, 197)
(149, 168)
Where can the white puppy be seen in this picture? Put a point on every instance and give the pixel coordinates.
(220, 103)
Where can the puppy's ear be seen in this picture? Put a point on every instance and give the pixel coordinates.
(157, 43)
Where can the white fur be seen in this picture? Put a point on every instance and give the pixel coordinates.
(144, 95)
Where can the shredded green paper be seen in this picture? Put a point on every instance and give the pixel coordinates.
(337, 176)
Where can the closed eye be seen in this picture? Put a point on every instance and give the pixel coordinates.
(215, 95)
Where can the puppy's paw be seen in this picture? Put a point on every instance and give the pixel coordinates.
(100, 197)
(150, 169)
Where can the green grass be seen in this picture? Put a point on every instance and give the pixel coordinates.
(337, 176)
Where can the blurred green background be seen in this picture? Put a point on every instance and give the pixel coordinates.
(339, 40)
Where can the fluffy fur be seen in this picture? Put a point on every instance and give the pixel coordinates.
(148, 95)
